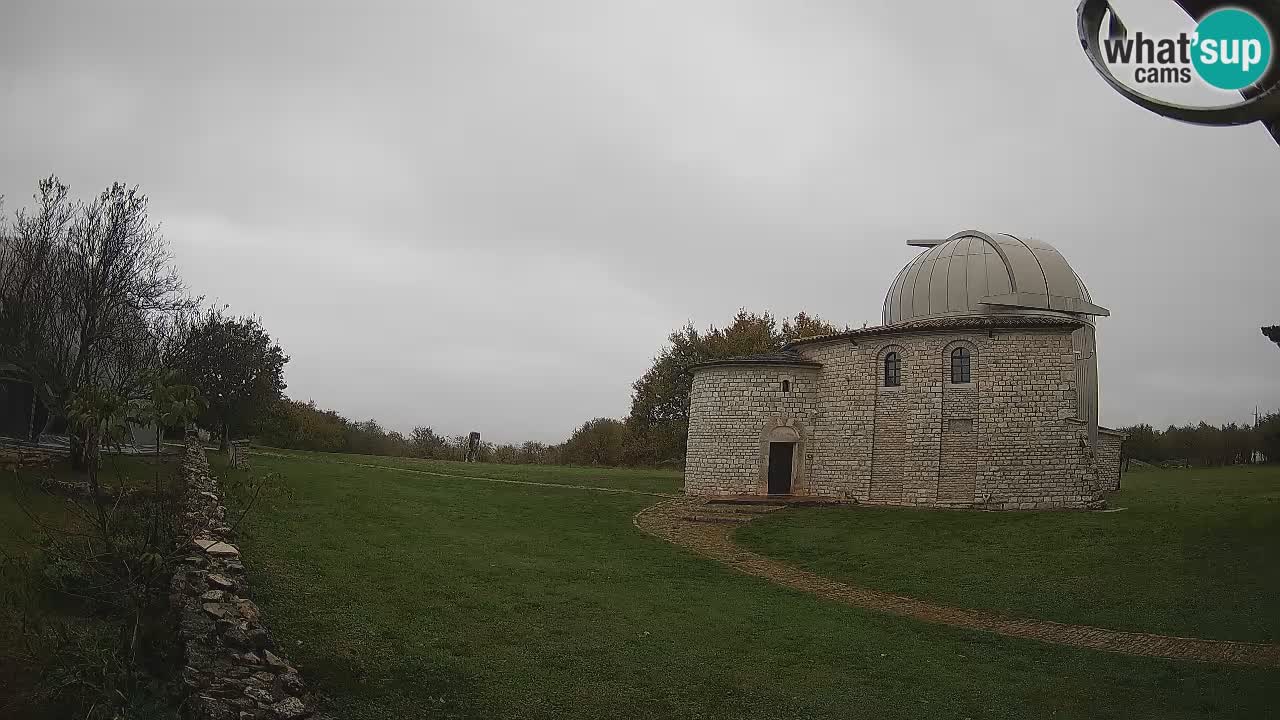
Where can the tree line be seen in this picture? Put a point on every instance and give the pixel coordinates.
(1205, 445)
(652, 435)
(91, 305)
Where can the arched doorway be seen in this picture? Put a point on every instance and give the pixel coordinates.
(782, 460)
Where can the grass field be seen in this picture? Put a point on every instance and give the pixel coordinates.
(410, 595)
(30, 517)
(24, 507)
(639, 480)
(1192, 553)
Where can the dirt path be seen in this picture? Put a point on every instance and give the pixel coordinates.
(705, 529)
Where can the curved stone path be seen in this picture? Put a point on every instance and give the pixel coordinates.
(705, 529)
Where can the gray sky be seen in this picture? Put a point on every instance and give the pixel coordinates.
(489, 215)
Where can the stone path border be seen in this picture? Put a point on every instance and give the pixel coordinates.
(706, 529)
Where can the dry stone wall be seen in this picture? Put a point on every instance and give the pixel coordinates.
(232, 671)
(1009, 439)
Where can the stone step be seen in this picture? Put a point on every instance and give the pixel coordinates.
(748, 509)
(775, 501)
(746, 502)
(714, 518)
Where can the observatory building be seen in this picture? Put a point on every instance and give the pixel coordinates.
(979, 390)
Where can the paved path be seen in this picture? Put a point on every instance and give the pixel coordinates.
(706, 529)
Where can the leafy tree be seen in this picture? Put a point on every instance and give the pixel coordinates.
(292, 424)
(1268, 436)
(236, 366)
(538, 453)
(805, 325)
(169, 404)
(659, 416)
(1143, 443)
(427, 444)
(1202, 444)
(1272, 333)
(602, 441)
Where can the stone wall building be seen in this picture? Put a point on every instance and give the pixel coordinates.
(979, 390)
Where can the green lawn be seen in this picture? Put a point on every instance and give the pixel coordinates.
(26, 512)
(24, 507)
(412, 596)
(639, 480)
(1194, 552)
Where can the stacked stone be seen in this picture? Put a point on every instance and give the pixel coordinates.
(239, 454)
(231, 670)
(13, 458)
(72, 488)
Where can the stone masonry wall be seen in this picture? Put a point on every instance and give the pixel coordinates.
(1032, 448)
(732, 409)
(959, 452)
(1110, 455)
(232, 671)
(1007, 440)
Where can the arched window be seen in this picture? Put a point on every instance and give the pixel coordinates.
(786, 386)
(960, 365)
(892, 370)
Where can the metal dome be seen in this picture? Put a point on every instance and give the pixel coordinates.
(978, 273)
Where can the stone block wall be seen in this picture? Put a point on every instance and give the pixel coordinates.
(1110, 455)
(732, 410)
(1009, 439)
(1034, 452)
(238, 454)
(843, 423)
(891, 446)
(232, 670)
(959, 451)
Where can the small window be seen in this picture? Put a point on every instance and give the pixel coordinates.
(892, 370)
(960, 365)
(786, 386)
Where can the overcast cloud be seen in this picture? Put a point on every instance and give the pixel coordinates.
(489, 215)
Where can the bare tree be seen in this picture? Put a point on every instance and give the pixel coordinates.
(118, 276)
(33, 334)
(86, 296)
